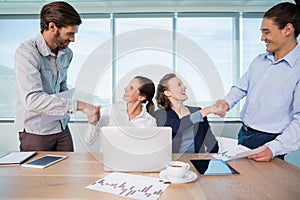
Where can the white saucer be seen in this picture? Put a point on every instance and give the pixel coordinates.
(189, 177)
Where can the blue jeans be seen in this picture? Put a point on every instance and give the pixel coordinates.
(253, 139)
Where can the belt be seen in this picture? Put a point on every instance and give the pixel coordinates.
(247, 128)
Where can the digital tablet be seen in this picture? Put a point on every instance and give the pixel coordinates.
(213, 167)
(44, 161)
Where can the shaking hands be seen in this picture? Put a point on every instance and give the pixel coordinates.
(92, 112)
(219, 108)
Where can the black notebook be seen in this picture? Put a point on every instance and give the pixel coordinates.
(9, 158)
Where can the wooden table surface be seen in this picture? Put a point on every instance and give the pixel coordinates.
(68, 180)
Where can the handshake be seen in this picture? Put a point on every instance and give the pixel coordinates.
(219, 108)
(92, 112)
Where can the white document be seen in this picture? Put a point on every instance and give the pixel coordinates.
(239, 151)
(131, 186)
(68, 94)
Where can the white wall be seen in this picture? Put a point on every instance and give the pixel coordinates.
(225, 132)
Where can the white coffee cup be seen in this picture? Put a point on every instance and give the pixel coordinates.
(177, 169)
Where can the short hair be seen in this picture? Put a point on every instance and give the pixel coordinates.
(60, 13)
(284, 13)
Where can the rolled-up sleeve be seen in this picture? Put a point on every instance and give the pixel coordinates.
(30, 86)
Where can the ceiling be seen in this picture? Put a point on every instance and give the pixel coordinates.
(108, 6)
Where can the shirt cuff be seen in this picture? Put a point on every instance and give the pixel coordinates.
(91, 134)
(228, 102)
(196, 117)
(275, 147)
(73, 107)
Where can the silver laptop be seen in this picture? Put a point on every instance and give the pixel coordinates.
(136, 149)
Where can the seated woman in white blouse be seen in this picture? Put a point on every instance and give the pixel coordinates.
(140, 90)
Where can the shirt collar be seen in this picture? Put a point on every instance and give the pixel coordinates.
(44, 48)
(290, 58)
(124, 108)
(142, 113)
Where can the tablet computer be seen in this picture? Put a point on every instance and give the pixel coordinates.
(44, 161)
(213, 167)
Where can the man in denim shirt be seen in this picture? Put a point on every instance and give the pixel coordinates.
(41, 66)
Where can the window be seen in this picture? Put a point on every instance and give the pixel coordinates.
(13, 33)
(90, 71)
(206, 55)
(143, 46)
(209, 51)
(252, 45)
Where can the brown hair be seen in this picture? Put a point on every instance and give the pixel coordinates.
(148, 90)
(162, 100)
(60, 13)
(284, 13)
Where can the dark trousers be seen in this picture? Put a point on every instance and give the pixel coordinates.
(253, 138)
(55, 142)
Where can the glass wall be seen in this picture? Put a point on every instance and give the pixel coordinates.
(13, 32)
(206, 55)
(209, 51)
(252, 46)
(84, 73)
(143, 46)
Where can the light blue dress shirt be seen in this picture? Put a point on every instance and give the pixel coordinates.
(272, 91)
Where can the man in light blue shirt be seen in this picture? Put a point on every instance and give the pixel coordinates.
(271, 113)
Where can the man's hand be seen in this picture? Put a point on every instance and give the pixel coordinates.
(223, 104)
(94, 115)
(92, 112)
(218, 110)
(265, 155)
(213, 109)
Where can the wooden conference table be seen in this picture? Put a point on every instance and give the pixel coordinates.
(68, 180)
